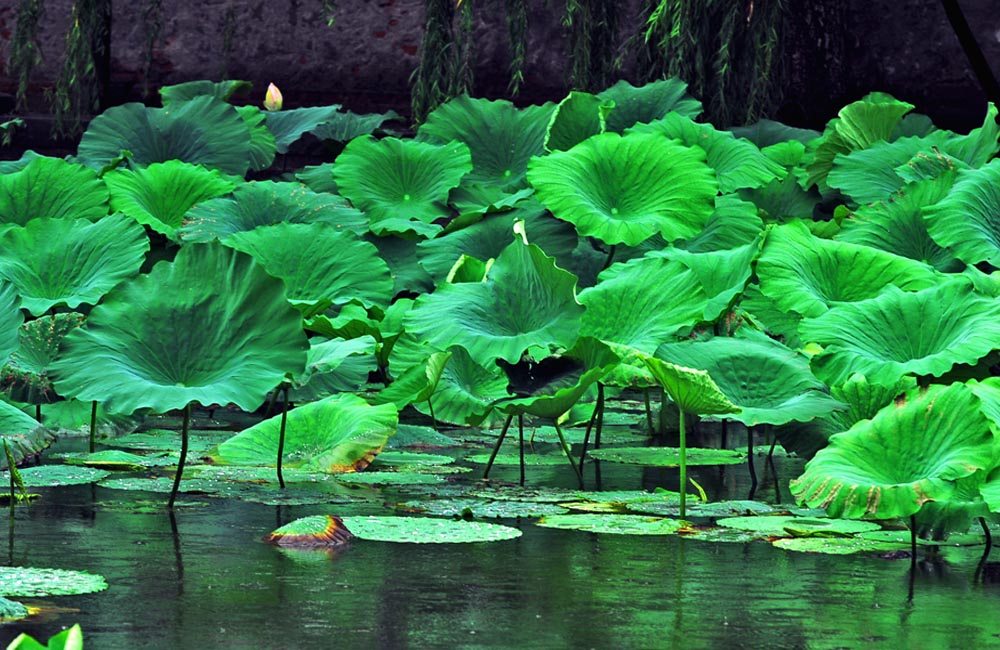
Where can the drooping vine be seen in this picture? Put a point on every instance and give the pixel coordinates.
(152, 21)
(592, 27)
(465, 45)
(83, 82)
(727, 51)
(228, 35)
(25, 51)
(434, 80)
(517, 41)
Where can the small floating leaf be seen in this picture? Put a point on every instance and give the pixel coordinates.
(614, 524)
(427, 530)
(310, 532)
(667, 456)
(839, 545)
(11, 610)
(30, 582)
(481, 508)
(58, 475)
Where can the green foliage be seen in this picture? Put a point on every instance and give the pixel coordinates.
(69, 639)
(25, 49)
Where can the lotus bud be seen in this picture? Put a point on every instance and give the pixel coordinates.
(272, 100)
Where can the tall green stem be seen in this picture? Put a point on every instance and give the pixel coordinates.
(184, 451)
(682, 454)
(281, 432)
(93, 426)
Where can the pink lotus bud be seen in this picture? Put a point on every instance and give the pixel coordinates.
(272, 100)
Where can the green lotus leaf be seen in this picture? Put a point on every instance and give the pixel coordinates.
(910, 453)
(417, 384)
(643, 303)
(808, 275)
(166, 440)
(318, 178)
(30, 582)
(116, 459)
(211, 326)
(311, 532)
(466, 390)
(898, 226)
(70, 417)
(70, 262)
(345, 126)
(401, 256)
(770, 383)
(266, 203)
(711, 510)
(723, 274)
(967, 220)
(648, 185)
(401, 184)
(11, 166)
(733, 223)
(980, 145)
(187, 91)
(60, 475)
(288, 126)
(473, 200)
(614, 524)
(839, 545)
(403, 459)
(501, 138)
(783, 200)
(789, 526)
(667, 456)
(25, 377)
(390, 478)
(737, 163)
(318, 262)
(869, 175)
(575, 119)
(427, 530)
(865, 399)
(349, 322)
(887, 337)
(262, 144)
(691, 389)
(10, 319)
(203, 131)
(53, 188)
(161, 194)
(11, 610)
(23, 433)
(514, 459)
(491, 319)
(858, 125)
(337, 434)
(335, 366)
(766, 133)
(481, 509)
(939, 518)
(638, 105)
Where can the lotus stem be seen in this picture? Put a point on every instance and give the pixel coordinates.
(598, 417)
(753, 470)
(682, 453)
(586, 434)
(184, 451)
(281, 432)
(610, 258)
(430, 407)
(38, 411)
(496, 448)
(986, 531)
(981, 566)
(520, 439)
(649, 411)
(568, 452)
(93, 424)
(724, 435)
(913, 548)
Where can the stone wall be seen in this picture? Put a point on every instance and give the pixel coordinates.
(364, 60)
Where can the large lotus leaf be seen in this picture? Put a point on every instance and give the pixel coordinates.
(188, 90)
(768, 132)
(693, 390)
(764, 313)
(967, 221)
(401, 256)
(627, 189)
(858, 126)
(732, 224)
(501, 138)
(341, 433)
(204, 131)
(924, 333)
(869, 175)
(70, 261)
(555, 384)
(262, 145)
(939, 518)
(25, 376)
(318, 262)
(265, 203)
(722, 274)
(910, 453)
(344, 127)
(10, 319)
(335, 366)
(770, 383)
(525, 300)
(643, 303)
(212, 326)
(637, 105)
(161, 194)
(486, 239)
(54, 188)
(318, 178)
(808, 275)
(575, 119)
(864, 399)
(466, 391)
(783, 200)
(23, 433)
(737, 163)
(30, 582)
(981, 144)
(991, 490)
(417, 384)
(290, 125)
(898, 226)
(401, 184)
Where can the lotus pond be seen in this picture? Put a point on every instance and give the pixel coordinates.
(590, 373)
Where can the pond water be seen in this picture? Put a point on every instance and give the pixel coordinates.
(204, 579)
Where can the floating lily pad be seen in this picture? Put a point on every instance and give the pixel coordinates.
(481, 508)
(28, 582)
(311, 532)
(716, 534)
(595, 507)
(11, 610)
(257, 474)
(146, 506)
(839, 545)
(713, 510)
(535, 495)
(165, 440)
(784, 526)
(667, 456)
(515, 459)
(158, 484)
(389, 478)
(115, 459)
(614, 524)
(427, 530)
(58, 475)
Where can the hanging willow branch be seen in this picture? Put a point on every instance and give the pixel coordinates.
(25, 51)
(517, 41)
(152, 20)
(727, 52)
(593, 42)
(82, 84)
(435, 79)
